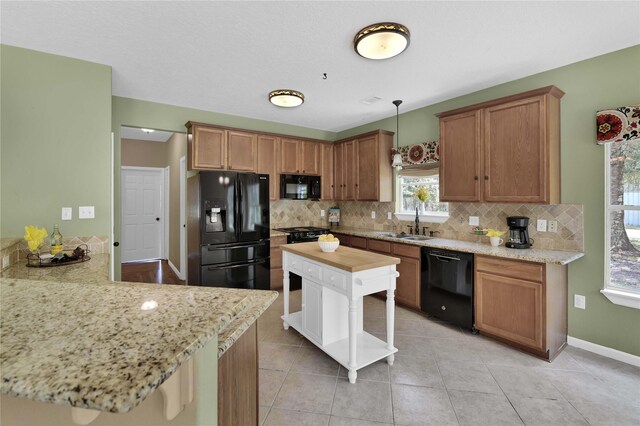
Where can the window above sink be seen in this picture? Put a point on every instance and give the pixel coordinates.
(407, 182)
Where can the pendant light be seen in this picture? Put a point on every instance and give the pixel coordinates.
(286, 98)
(382, 40)
(397, 158)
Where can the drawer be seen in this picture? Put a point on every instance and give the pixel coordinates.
(345, 240)
(295, 265)
(379, 246)
(511, 268)
(335, 279)
(359, 242)
(311, 270)
(406, 250)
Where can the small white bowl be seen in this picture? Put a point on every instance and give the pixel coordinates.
(329, 246)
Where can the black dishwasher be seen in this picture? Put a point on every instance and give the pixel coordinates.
(447, 286)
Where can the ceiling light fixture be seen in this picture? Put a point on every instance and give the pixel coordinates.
(286, 98)
(147, 131)
(397, 158)
(382, 40)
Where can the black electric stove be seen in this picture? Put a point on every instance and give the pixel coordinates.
(301, 234)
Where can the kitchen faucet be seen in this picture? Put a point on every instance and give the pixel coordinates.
(417, 229)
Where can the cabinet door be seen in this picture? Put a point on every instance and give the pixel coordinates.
(367, 166)
(349, 170)
(338, 172)
(289, 150)
(208, 148)
(408, 283)
(242, 151)
(510, 308)
(345, 240)
(326, 172)
(312, 310)
(309, 157)
(515, 166)
(267, 163)
(460, 157)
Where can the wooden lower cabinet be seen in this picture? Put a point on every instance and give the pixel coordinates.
(345, 240)
(522, 303)
(275, 253)
(359, 242)
(408, 283)
(238, 381)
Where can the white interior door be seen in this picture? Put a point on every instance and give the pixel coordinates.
(142, 213)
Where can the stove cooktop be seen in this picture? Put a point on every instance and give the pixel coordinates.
(301, 229)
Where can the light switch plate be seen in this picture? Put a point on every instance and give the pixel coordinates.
(67, 213)
(474, 220)
(389, 216)
(321, 213)
(5, 262)
(541, 225)
(553, 226)
(579, 301)
(373, 214)
(86, 212)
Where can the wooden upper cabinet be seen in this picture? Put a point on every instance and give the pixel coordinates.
(267, 162)
(326, 171)
(289, 155)
(242, 149)
(207, 147)
(309, 160)
(460, 139)
(511, 144)
(363, 167)
(367, 182)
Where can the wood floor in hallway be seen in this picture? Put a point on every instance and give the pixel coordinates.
(155, 271)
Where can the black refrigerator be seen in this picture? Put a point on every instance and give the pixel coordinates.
(228, 230)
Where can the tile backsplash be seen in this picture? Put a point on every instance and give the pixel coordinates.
(570, 234)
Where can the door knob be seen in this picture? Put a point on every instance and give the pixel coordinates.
(158, 219)
(116, 244)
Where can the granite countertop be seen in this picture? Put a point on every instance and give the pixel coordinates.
(93, 271)
(345, 258)
(8, 242)
(89, 344)
(532, 255)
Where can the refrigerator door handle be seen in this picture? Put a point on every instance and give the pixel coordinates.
(235, 245)
(240, 225)
(242, 265)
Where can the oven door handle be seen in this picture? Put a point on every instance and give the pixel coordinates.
(217, 268)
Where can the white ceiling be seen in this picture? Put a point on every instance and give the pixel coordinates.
(226, 56)
(141, 135)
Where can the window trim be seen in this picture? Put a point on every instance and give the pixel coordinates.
(429, 216)
(616, 295)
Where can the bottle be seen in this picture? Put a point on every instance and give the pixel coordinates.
(56, 240)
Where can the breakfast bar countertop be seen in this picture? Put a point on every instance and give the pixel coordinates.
(531, 255)
(106, 346)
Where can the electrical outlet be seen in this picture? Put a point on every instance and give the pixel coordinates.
(542, 225)
(389, 217)
(553, 226)
(86, 212)
(67, 213)
(579, 301)
(373, 214)
(5, 262)
(321, 213)
(474, 220)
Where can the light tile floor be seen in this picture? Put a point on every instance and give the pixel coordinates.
(442, 375)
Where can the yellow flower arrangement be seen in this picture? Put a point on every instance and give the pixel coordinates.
(34, 237)
(422, 194)
(494, 233)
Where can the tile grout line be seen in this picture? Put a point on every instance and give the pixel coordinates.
(446, 390)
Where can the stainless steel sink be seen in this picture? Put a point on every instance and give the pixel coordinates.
(403, 236)
(415, 237)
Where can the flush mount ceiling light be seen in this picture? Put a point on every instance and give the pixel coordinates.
(286, 98)
(382, 40)
(147, 131)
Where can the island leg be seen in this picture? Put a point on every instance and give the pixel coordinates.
(285, 285)
(390, 323)
(353, 339)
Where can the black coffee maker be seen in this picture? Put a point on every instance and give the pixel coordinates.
(518, 233)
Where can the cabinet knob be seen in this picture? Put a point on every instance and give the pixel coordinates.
(303, 171)
(486, 178)
(356, 184)
(475, 177)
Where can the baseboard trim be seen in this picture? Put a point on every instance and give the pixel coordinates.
(604, 351)
(177, 272)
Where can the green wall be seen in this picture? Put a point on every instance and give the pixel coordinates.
(55, 142)
(603, 82)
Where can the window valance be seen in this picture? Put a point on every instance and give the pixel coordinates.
(420, 154)
(618, 124)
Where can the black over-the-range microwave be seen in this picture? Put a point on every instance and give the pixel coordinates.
(298, 187)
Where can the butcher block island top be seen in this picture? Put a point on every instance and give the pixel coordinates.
(345, 258)
(108, 346)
